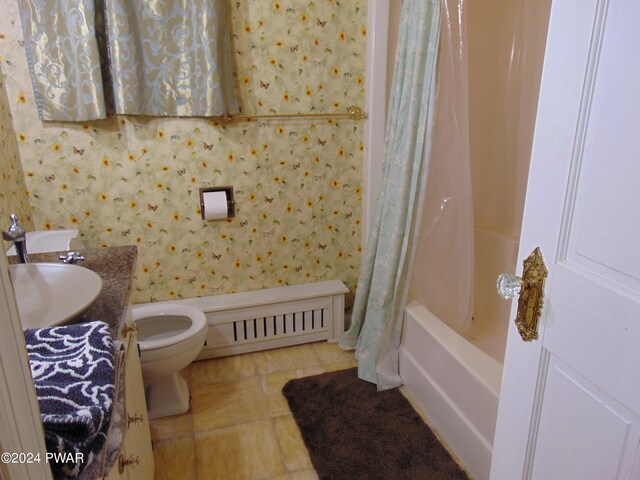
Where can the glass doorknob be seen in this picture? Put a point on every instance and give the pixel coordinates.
(509, 286)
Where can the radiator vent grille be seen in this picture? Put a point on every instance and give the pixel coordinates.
(279, 325)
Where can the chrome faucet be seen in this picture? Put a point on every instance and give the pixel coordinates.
(16, 234)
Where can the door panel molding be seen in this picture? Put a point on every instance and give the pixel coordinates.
(591, 70)
(537, 411)
(565, 440)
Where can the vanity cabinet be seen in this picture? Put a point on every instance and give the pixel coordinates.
(135, 461)
(115, 265)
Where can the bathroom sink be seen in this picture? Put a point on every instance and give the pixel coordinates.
(52, 293)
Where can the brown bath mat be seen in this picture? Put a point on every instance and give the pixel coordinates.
(353, 432)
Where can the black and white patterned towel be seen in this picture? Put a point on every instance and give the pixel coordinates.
(73, 372)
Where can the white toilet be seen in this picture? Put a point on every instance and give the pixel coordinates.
(170, 338)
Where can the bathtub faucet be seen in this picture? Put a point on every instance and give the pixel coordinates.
(16, 234)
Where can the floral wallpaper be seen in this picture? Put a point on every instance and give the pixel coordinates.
(136, 180)
(13, 192)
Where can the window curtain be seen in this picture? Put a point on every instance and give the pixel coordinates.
(381, 294)
(62, 52)
(89, 58)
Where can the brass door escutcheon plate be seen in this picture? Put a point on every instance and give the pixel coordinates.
(532, 295)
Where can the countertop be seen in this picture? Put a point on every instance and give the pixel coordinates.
(115, 265)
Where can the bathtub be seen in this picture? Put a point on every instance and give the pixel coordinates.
(454, 384)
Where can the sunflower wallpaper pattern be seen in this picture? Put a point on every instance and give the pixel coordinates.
(13, 192)
(135, 180)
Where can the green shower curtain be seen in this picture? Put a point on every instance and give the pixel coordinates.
(376, 322)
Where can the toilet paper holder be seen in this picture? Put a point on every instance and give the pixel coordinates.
(231, 203)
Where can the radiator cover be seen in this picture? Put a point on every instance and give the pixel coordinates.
(271, 318)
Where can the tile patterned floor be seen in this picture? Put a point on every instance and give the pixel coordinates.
(239, 426)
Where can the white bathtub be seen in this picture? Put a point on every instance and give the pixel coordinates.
(455, 384)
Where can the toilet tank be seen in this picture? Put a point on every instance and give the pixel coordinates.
(41, 241)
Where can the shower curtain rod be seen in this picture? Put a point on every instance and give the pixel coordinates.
(353, 113)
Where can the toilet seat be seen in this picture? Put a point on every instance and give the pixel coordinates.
(160, 325)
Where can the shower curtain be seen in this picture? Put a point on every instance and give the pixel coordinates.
(376, 322)
(443, 274)
(88, 58)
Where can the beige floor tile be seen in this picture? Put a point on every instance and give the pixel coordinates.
(240, 426)
(175, 459)
(243, 452)
(289, 358)
(228, 403)
(172, 427)
(301, 475)
(332, 353)
(333, 367)
(272, 386)
(220, 370)
(295, 454)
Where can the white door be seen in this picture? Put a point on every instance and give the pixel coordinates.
(570, 401)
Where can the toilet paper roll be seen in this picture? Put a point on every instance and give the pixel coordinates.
(214, 205)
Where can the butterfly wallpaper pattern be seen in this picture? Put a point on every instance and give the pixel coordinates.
(13, 191)
(135, 180)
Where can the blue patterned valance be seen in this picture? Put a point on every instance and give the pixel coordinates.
(88, 58)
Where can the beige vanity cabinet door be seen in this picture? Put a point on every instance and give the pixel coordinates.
(137, 451)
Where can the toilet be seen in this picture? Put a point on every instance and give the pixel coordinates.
(170, 337)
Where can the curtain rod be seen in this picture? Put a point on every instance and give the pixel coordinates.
(353, 113)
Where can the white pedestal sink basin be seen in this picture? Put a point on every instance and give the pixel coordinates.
(52, 293)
